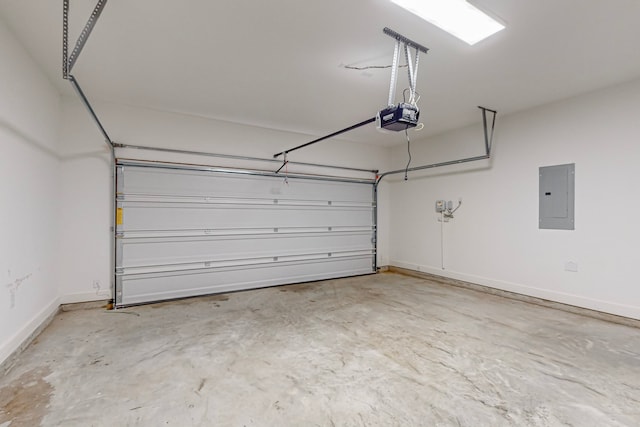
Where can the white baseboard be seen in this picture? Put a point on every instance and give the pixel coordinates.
(21, 339)
(25, 335)
(85, 297)
(630, 311)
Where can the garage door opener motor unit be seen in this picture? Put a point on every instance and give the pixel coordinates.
(398, 117)
(404, 115)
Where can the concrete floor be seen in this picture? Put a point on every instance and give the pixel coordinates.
(383, 350)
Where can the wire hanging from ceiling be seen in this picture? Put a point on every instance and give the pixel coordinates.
(406, 169)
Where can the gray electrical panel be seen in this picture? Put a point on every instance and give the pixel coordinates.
(556, 193)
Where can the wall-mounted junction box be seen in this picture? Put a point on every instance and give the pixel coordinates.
(556, 197)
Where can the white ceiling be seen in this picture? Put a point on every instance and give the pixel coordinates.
(277, 63)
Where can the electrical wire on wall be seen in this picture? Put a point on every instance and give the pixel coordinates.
(446, 211)
(442, 240)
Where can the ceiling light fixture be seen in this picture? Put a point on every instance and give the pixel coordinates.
(456, 17)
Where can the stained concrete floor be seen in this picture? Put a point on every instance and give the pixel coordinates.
(383, 350)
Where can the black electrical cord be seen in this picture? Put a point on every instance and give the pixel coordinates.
(406, 169)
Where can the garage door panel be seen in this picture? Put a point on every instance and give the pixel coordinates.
(151, 181)
(160, 216)
(184, 231)
(150, 251)
(142, 288)
(262, 262)
(242, 231)
(231, 201)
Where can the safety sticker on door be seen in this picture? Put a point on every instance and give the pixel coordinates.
(119, 216)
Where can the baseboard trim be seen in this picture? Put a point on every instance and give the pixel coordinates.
(14, 346)
(84, 297)
(88, 305)
(584, 311)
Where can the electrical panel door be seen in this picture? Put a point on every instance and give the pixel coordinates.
(556, 194)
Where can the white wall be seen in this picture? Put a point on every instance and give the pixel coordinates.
(29, 190)
(85, 216)
(494, 238)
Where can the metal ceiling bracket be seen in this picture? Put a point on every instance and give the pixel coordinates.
(86, 32)
(404, 40)
(412, 65)
(488, 136)
(415, 70)
(394, 73)
(65, 39)
(412, 69)
(69, 62)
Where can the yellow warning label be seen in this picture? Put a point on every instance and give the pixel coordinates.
(119, 216)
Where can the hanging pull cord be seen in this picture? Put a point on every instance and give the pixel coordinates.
(406, 169)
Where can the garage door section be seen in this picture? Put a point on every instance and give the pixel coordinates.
(184, 231)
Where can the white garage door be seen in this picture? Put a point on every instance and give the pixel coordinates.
(184, 231)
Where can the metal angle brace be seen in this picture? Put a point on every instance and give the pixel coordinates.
(488, 136)
(412, 66)
(86, 103)
(69, 62)
(404, 40)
